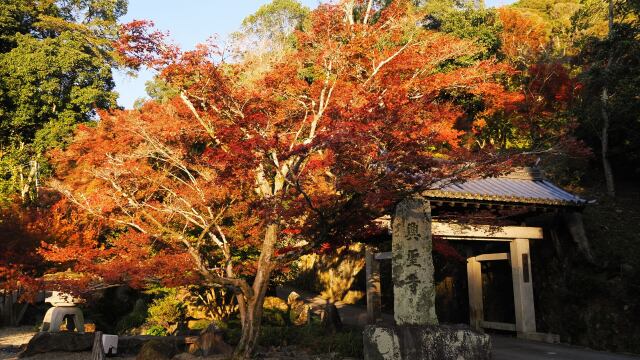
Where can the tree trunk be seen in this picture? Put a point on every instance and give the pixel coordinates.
(97, 351)
(250, 329)
(606, 121)
(604, 144)
(8, 316)
(251, 307)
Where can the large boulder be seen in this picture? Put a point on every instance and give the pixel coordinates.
(156, 350)
(425, 342)
(299, 312)
(134, 344)
(43, 342)
(275, 303)
(210, 341)
(331, 321)
(275, 311)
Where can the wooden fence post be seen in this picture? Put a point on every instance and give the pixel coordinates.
(372, 268)
(98, 350)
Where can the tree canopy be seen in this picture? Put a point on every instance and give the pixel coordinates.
(56, 61)
(241, 178)
(317, 124)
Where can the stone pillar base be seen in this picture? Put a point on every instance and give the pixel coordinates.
(426, 342)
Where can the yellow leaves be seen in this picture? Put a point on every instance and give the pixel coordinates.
(524, 35)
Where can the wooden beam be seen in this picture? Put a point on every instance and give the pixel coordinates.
(457, 231)
(492, 257)
(461, 238)
(498, 325)
(383, 255)
(543, 337)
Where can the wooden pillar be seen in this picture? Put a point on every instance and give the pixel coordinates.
(97, 351)
(474, 279)
(374, 304)
(522, 286)
(7, 308)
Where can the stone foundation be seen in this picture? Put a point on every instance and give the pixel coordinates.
(425, 342)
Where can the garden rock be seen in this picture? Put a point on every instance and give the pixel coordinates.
(184, 356)
(331, 321)
(210, 341)
(293, 297)
(156, 350)
(299, 312)
(43, 342)
(275, 303)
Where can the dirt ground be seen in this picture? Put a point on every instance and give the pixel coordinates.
(15, 336)
(11, 340)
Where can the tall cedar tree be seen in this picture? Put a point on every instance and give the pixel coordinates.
(56, 59)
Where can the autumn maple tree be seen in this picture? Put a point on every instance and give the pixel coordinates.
(231, 179)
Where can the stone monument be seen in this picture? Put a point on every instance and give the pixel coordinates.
(414, 291)
(416, 334)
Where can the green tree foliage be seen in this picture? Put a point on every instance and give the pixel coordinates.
(277, 19)
(55, 70)
(267, 34)
(481, 25)
(466, 20)
(613, 63)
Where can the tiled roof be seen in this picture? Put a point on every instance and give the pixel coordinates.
(524, 186)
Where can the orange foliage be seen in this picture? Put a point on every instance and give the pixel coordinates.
(523, 37)
(226, 180)
(229, 181)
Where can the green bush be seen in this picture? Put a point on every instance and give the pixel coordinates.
(200, 324)
(274, 317)
(134, 319)
(166, 311)
(157, 330)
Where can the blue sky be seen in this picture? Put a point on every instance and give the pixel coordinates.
(190, 22)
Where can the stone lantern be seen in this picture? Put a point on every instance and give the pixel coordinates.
(64, 307)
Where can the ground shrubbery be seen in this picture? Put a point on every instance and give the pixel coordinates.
(165, 313)
(162, 311)
(134, 319)
(312, 337)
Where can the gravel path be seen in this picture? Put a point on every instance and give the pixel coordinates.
(15, 336)
(12, 338)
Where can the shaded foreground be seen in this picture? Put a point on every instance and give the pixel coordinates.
(509, 348)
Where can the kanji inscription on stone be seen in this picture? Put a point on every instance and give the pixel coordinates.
(412, 264)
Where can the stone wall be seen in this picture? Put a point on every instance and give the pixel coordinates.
(334, 275)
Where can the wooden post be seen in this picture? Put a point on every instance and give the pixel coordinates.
(98, 350)
(374, 303)
(522, 286)
(8, 316)
(474, 279)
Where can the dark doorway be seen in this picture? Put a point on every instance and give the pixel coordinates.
(497, 292)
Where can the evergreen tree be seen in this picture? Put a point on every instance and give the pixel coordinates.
(56, 59)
